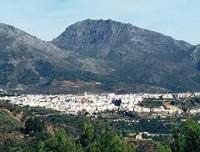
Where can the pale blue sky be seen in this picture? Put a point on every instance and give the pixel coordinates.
(46, 19)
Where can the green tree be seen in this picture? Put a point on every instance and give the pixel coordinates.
(163, 148)
(186, 138)
(33, 126)
(102, 141)
(109, 141)
(87, 135)
(60, 142)
(177, 140)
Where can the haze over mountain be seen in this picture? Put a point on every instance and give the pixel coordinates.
(97, 56)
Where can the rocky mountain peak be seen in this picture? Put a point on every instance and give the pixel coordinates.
(92, 34)
(100, 37)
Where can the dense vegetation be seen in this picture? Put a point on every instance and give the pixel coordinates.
(61, 141)
(186, 137)
(25, 129)
(32, 131)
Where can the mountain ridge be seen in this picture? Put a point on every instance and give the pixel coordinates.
(80, 28)
(128, 48)
(97, 56)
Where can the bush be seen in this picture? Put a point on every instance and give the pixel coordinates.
(33, 126)
(186, 138)
(163, 148)
(60, 142)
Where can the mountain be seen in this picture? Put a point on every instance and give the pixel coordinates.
(97, 56)
(105, 38)
(138, 58)
(30, 65)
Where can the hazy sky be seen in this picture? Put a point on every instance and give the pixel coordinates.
(46, 19)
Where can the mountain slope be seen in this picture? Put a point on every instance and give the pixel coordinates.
(99, 37)
(30, 65)
(138, 57)
(97, 56)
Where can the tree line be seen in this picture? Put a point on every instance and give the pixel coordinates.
(184, 138)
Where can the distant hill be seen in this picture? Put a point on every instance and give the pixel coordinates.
(97, 56)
